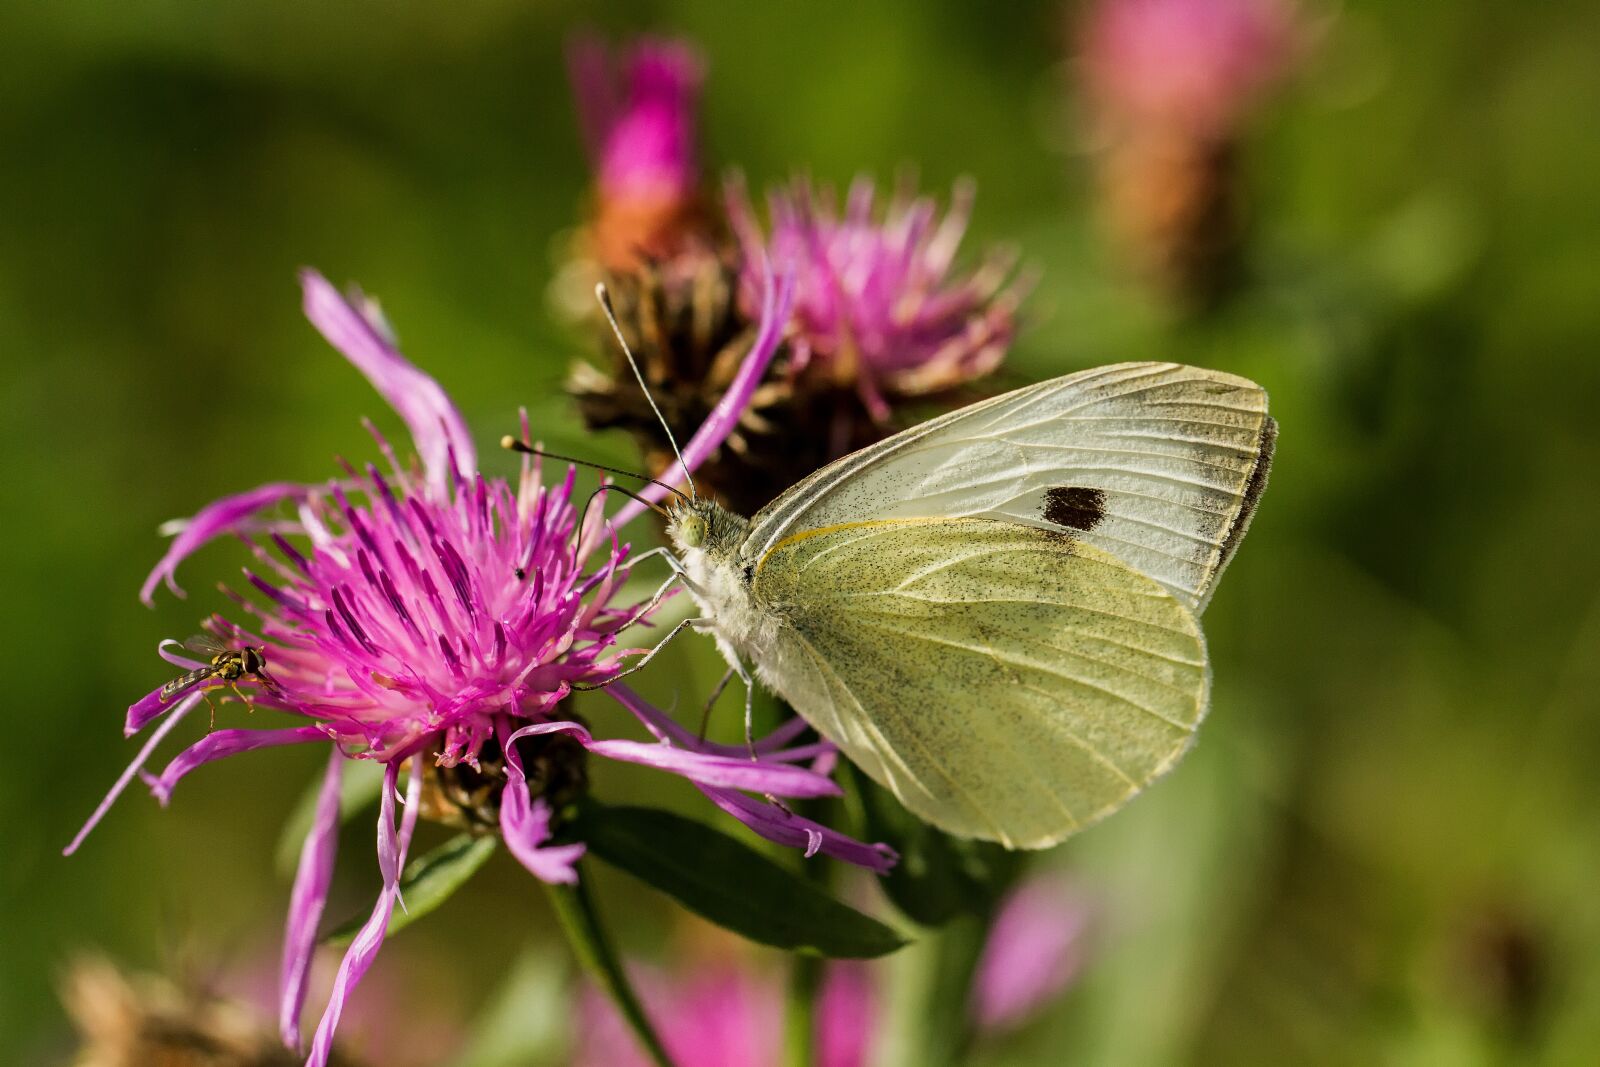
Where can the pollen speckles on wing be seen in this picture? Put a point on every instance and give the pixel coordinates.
(1076, 507)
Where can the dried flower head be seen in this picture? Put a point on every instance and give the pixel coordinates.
(639, 126)
(428, 617)
(126, 1020)
(880, 319)
(682, 323)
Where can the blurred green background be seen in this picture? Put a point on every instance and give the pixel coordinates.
(1386, 848)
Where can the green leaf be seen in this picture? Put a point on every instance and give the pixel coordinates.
(938, 878)
(730, 883)
(428, 882)
(360, 784)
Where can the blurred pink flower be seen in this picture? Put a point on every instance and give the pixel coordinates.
(728, 1015)
(638, 124)
(1197, 63)
(1034, 951)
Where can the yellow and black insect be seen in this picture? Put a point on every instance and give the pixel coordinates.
(226, 665)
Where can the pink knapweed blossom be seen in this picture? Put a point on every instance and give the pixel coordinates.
(638, 124)
(425, 615)
(879, 302)
(1034, 951)
(1196, 64)
(730, 1015)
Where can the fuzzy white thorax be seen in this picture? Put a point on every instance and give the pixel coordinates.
(744, 630)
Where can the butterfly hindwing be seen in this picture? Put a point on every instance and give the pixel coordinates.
(1005, 681)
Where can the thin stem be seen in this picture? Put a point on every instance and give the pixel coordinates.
(575, 909)
(800, 1012)
(949, 1020)
(805, 972)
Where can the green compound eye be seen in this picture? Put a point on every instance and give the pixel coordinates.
(692, 531)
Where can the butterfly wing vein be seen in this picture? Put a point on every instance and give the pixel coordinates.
(1176, 454)
(1004, 681)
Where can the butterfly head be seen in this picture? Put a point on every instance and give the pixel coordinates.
(706, 526)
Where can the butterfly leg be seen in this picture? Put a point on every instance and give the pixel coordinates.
(749, 705)
(672, 560)
(646, 658)
(705, 714)
(651, 604)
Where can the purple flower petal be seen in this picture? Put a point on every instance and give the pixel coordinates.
(730, 772)
(796, 831)
(525, 823)
(174, 653)
(220, 744)
(664, 727)
(307, 901)
(231, 514)
(179, 710)
(436, 426)
(776, 299)
(146, 708)
(363, 950)
(702, 768)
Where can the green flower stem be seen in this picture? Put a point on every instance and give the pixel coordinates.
(948, 1016)
(575, 909)
(800, 1012)
(805, 971)
(927, 1019)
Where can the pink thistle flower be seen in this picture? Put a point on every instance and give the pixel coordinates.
(879, 307)
(729, 1012)
(639, 127)
(434, 616)
(728, 1015)
(1198, 64)
(1033, 952)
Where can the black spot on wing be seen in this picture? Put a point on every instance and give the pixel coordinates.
(1076, 507)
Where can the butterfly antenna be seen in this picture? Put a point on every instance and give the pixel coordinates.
(511, 444)
(611, 316)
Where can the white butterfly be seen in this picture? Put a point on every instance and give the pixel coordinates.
(995, 614)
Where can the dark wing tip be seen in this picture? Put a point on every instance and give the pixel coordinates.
(1255, 484)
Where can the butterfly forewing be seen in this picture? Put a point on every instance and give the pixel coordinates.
(1005, 681)
(1158, 464)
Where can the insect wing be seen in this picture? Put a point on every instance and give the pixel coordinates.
(205, 647)
(1005, 682)
(1158, 464)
